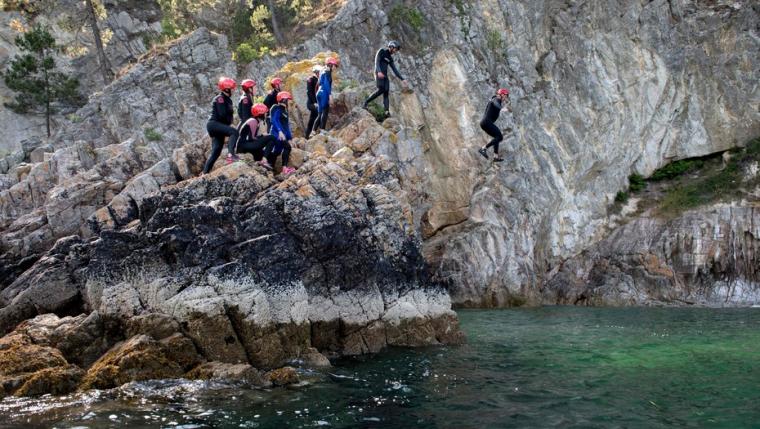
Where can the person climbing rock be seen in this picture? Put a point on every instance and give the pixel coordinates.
(498, 102)
(218, 125)
(271, 99)
(324, 95)
(383, 59)
(281, 131)
(246, 100)
(252, 140)
(311, 99)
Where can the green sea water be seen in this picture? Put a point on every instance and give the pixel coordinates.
(523, 368)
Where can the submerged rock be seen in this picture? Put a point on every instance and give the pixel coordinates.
(283, 376)
(236, 373)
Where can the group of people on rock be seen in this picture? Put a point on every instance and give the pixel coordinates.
(264, 128)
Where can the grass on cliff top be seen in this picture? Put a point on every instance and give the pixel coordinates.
(689, 183)
(713, 180)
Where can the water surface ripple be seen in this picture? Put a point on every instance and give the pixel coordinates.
(526, 368)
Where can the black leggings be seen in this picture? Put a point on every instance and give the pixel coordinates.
(272, 155)
(322, 119)
(257, 147)
(383, 88)
(218, 132)
(492, 130)
(313, 114)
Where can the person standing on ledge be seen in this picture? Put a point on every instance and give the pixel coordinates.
(218, 125)
(498, 102)
(383, 59)
(324, 94)
(281, 131)
(271, 99)
(311, 99)
(246, 100)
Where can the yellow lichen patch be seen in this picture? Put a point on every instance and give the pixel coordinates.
(293, 74)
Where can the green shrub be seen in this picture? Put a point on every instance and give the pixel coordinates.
(494, 41)
(621, 197)
(675, 169)
(245, 53)
(152, 135)
(401, 14)
(636, 183)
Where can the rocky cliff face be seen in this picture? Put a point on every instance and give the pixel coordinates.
(132, 23)
(598, 93)
(107, 156)
(168, 274)
(707, 257)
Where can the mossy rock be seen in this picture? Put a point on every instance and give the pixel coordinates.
(138, 359)
(56, 381)
(29, 358)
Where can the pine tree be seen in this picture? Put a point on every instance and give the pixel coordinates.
(33, 75)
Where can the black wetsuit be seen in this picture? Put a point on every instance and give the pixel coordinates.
(488, 123)
(311, 103)
(383, 59)
(218, 127)
(250, 142)
(244, 108)
(269, 101)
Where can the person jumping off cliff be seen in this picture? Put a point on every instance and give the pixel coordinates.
(271, 99)
(281, 130)
(252, 140)
(324, 95)
(488, 122)
(311, 99)
(383, 59)
(218, 125)
(246, 100)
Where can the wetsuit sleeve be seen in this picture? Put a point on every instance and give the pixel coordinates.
(395, 70)
(277, 122)
(311, 87)
(324, 83)
(220, 108)
(378, 58)
(228, 112)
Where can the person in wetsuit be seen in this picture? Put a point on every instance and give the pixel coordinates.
(252, 140)
(383, 59)
(498, 102)
(271, 99)
(324, 95)
(311, 99)
(281, 131)
(218, 125)
(246, 100)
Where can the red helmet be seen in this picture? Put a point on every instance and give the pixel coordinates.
(276, 82)
(502, 91)
(247, 84)
(259, 109)
(226, 83)
(284, 95)
(332, 62)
